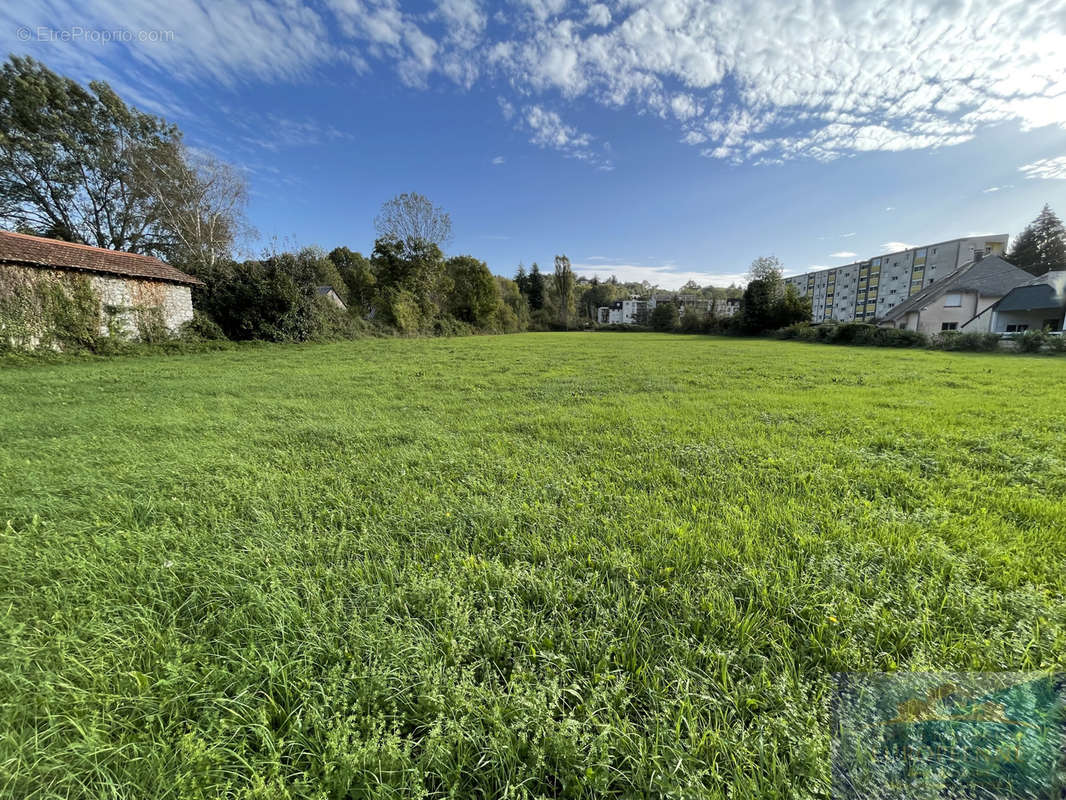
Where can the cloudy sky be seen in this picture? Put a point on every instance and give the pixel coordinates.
(661, 140)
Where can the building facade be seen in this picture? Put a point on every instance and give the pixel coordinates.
(635, 311)
(867, 290)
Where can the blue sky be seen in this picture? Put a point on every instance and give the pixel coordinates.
(661, 141)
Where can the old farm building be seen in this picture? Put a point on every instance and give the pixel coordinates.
(51, 291)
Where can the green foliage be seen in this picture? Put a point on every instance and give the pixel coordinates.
(79, 164)
(563, 291)
(768, 303)
(858, 333)
(400, 309)
(48, 309)
(535, 289)
(549, 565)
(1041, 246)
(1030, 341)
(201, 328)
(474, 296)
(664, 317)
(359, 280)
(975, 342)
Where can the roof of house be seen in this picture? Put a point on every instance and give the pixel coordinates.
(1046, 291)
(990, 277)
(36, 251)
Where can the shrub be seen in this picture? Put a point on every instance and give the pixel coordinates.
(201, 328)
(664, 317)
(1030, 341)
(974, 342)
(1056, 344)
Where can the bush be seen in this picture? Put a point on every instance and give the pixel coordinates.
(664, 317)
(201, 328)
(1056, 344)
(971, 342)
(1030, 341)
(858, 333)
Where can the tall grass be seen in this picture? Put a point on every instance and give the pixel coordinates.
(563, 565)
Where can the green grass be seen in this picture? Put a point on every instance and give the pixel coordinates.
(538, 565)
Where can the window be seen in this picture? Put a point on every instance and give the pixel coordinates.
(953, 300)
(1017, 328)
(1053, 324)
(949, 326)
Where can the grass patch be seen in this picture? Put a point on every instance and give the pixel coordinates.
(566, 565)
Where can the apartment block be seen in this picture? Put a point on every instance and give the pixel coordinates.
(866, 290)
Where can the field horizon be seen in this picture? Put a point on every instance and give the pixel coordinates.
(531, 565)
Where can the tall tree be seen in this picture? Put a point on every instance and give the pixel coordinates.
(1041, 246)
(563, 290)
(359, 279)
(79, 164)
(202, 204)
(411, 218)
(474, 295)
(536, 288)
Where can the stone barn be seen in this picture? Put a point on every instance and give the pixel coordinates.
(54, 293)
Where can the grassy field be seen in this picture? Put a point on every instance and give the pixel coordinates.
(573, 565)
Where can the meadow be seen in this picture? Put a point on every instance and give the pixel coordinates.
(540, 565)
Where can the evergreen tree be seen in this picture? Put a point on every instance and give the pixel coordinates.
(1041, 246)
(536, 288)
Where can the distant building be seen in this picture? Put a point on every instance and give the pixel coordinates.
(330, 294)
(956, 299)
(125, 285)
(635, 311)
(1039, 304)
(868, 290)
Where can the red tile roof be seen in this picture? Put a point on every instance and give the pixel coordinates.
(37, 251)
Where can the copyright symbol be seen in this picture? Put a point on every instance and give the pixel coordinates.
(23, 34)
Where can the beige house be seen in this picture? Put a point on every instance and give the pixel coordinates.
(127, 289)
(1037, 305)
(955, 300)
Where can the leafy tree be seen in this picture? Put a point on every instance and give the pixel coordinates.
(474, 296)
(521, 279)
(411, 218)
(513, 313)
(1041, 246)
(536, 291)
(358, 275)
(665, 317)
(80, 165)
(767, 303)
(409, 272)
(273, 299)
(563, 290)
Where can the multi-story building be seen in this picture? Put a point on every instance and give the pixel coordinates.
(636, 310)
(866, 290)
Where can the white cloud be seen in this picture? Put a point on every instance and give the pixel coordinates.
(843, 254)
(895, 247)
(846, 235)
(1046, 168)
(890, 208)
(820, 81)
(499, 160)
(548, 130)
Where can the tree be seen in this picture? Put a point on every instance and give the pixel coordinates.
(513, 314)
(474, 296)
(80, 165)
(409, 274)
(765, 268)
(536, 288)
(665, 316)
(202, 203)
(563, 290)
(410, 218)
(521, 279)
(359, 280)
(1041, 246)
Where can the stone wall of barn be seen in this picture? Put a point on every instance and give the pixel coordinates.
(125, 300)
(102, 305)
